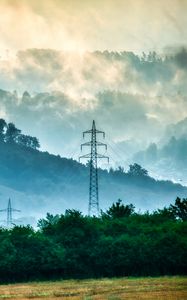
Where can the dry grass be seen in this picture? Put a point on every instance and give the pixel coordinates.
(163, 288)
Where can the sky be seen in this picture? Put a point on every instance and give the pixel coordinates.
(46, 48)
(78, 25)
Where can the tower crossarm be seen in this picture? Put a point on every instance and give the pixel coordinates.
(100, 132)
(87, 132)
(86, 144)
(2, 210)
(95, 131)
(85, 156)
(96, 143)
(102, 144)
(100, 156)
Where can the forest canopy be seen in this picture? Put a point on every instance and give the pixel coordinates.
(10, 134)
(120, 242)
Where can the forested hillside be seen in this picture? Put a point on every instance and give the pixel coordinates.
(38, 182)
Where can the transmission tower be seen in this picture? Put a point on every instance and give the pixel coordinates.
(93, 156)
(9, 211)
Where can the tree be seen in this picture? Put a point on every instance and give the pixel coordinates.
(137, 170)
(23, 140)
(28, 141)
(2, 129)
(120, 170)
(47, 225)
(164, 214)
(180, 209)
(34, 143)
(12, 133)
(118, 210)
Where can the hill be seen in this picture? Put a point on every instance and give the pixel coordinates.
(170, 158)
(39, 182)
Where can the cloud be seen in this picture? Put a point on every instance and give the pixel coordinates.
(78, 25)
(131, 97)
(3, 114)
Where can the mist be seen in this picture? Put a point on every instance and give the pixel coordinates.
(133, 98)
(87, 26)
(123, 64)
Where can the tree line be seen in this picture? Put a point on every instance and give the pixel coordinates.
(10, 134)
(120, 242)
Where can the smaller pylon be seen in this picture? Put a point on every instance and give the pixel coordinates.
(9, 211)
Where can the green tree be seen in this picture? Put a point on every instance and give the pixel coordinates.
(137, 170)
(180, 209)
(48, 224)
(118, 210)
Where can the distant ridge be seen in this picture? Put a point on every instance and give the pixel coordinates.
(41, 182)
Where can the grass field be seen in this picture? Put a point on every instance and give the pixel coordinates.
(163, 288)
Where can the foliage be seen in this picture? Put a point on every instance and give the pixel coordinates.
(180, 209)
(121, 242)
(137, 170)
(10, 134)
(118, 210)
